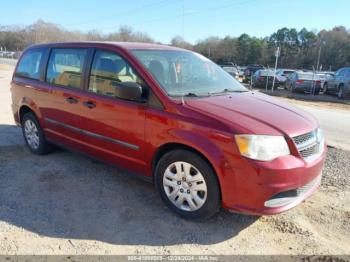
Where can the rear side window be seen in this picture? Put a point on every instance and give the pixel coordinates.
(29, 65)
(65, 66)
(340, 72)
(347, 73)
(108, 69)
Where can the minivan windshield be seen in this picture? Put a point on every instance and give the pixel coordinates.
(185, 73)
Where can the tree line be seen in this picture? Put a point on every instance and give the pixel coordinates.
(329, 49)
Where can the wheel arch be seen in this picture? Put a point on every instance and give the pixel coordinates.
(168, 147)
(24, 109)
(28, 105)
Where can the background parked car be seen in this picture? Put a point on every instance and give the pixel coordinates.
(262, 76)
(250, 70)
(324, 77)
(339, 84)
(282, 75)
(241, 70)
(307, 82)
(231, 69)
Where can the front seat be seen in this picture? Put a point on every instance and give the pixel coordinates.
(107, 67)
(157, 70)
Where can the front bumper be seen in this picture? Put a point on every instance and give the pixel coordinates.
(264, 188)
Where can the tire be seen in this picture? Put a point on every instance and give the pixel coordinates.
(292, 89)
(34, 135)
(201, 205)
(325, 88)
(341, 92)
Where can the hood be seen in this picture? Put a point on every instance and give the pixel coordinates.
(255, 113)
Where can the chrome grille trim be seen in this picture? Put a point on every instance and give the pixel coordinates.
(308, 146)
(288, 197)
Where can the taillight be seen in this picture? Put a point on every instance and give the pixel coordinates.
(261, 78)
(299, 81)
(318, 82)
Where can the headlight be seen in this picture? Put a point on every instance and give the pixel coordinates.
(262, 147)
(320, 139)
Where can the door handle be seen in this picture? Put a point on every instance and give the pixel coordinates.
(89, 104)
(72, 100)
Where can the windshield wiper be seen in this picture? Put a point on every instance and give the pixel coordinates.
(226, 90)
(190, 94)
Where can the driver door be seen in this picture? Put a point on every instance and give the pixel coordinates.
(113, 127)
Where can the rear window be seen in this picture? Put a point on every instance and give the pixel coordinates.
(267, 73)
(29, 65)
(307, 76)
(287, 73)
(65, 66)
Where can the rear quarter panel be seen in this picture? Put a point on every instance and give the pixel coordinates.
(26, 92)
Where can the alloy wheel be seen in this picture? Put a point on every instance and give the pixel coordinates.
(31, 133)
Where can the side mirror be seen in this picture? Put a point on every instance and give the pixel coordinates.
(129, 90)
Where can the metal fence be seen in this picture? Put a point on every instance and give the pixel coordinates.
(8, 61)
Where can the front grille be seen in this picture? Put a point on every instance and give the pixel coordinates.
(303, 138)
(288, 197)
(310, 151)
(307, 145)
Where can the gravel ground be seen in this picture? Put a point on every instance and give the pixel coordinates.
(64, 203)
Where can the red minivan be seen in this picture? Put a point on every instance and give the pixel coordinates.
(173, 117)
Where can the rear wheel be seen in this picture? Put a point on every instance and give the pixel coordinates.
(292, 88)
(188, 185)
(34, 136)
(341, 92)
(325, 88)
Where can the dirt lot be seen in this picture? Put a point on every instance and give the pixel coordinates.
(321, 99)
(64, 203)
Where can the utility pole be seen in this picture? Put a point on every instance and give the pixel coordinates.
(267, 78)
(319, 56)
(313, 81)
(277, 54)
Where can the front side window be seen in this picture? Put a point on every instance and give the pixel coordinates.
(107, 71)
(184, 73)
(65, 67)
(29, 65)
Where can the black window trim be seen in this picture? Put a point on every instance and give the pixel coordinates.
(42, 63)
(82, 82)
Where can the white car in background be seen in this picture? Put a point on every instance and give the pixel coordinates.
(283, 74)
(324, 77)
(231, 69)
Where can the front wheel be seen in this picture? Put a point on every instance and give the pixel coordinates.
(188, 184)
(34, 136)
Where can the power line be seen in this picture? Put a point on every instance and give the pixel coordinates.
(189, 14)
(128, 12)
